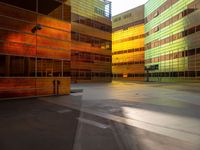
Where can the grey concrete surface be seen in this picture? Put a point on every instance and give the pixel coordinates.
(167, 114)
(106, 116)
(35, 125)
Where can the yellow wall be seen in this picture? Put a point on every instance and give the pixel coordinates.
(123, 42)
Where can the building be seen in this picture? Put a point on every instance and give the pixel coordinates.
(172, 40)
(35, 41)
(91, 40)
(128, 45)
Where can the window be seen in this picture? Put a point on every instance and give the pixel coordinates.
(174, 74)
(198, 51)
(156, 14)
(57, 68)
(181, 74)
(91, 23)
(51, 8)
(176, 55)
(156, 29)
(130, 75)
(29, 5)
(175, 37)
(166, 74)
(127, 16)
(117, 19)
(2, 65)
(191, 52)
(184, 13)
(191, 31)
(99, 11)
(198, 28)
(191, 74)
(66, 68)
(20, 66)
(44, 67)
(198, 73)
(176, 18)
(125, 28)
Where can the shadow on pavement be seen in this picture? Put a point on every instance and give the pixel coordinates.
(36, 125)
(61, 123)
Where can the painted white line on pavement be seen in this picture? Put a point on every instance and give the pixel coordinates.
(181, 135)
(94, 123)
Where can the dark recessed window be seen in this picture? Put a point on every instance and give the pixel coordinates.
(198, 51)
(198, 28)
(51, 8)
(2, 65)
(26, 4)
(156, 14)
(191, 31)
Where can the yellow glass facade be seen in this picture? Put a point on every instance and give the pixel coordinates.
(128, 45)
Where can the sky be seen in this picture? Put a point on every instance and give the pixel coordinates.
(119, 6)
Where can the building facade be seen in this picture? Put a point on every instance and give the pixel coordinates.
(91, 40)
(128, 45)
(35, 48)
(172, 40)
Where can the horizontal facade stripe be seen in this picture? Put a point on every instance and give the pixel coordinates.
(91, 23)
(94, 41)
(87, 53)
(128, 25)
(129, 39)
(174, 19)
(31, 56)
(171, 56)
(29, 22)
(129, 75)
(35, 35)
(10, 43)
(89, 57)
(129, 51)
(78, 37)
(174, 37)
(31, 66)
(170, 21)
(128, 63)
(178, 74)
(160, 10)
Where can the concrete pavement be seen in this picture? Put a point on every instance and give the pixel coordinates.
(106, 116)
(169, 110)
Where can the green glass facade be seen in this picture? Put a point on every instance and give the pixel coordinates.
(172, 40)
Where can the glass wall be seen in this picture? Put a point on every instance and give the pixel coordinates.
(54, 8)
(35, 48)
(172, 39)
(128, 45)
(91, 40)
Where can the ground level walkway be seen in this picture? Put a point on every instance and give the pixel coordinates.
(106, 116)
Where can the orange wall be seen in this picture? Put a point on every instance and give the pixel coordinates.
(15, 31)
(25, 87)
(52, 41)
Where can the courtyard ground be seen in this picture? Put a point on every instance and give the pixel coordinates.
(106, 116)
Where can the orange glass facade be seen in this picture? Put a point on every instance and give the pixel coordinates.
(91, 40)
(128, 45)
(35, 43)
